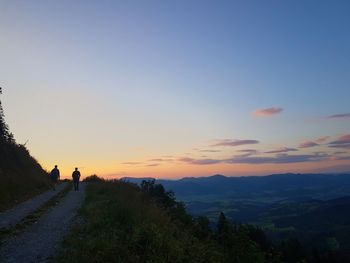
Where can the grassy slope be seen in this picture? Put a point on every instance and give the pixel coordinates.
(121, 224)
(21, 176)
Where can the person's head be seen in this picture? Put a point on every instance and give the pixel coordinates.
(76, 169)
(55, 166)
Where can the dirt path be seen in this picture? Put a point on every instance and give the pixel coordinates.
(13, 216)
(40, 241)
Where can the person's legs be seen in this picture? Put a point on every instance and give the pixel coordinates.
(53, 184)
(76, 185)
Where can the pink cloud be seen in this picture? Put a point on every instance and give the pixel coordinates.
(281, 158)
(232, 143)
(153, 164)
(250, 151)
(267, 112)
(209, 151)
(308, 144)
(342, 139)
(322, 139)
(199, 161)
(160, 160)
(282, 150)
(340, 116)
(132, 163)
(341, 142)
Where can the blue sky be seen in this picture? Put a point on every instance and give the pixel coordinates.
(103, 83)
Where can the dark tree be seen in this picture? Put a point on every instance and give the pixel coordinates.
(223, 230)
(202, 227)
(292, 251)
(5, 135)
(258, 236)
(167, 200)
(223, 224)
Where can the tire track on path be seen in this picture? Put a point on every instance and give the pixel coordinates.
(40, 241)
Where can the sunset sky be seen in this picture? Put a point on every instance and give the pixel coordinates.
(171, 89)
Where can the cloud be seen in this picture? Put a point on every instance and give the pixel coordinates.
(132, 163)
(282, 150)
(277, 159)
(342, 139)
(209, 151)
(322, 139)
(233, 143)
(308, 144)
(267, 112)
(248, 152)
(343, 146)
(199, 161)
(342, 158)
(339, 116)
(160, 160)
(153, 164)
(168, 156)
(341, 142)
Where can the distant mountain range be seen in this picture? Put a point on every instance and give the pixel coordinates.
(279, 186)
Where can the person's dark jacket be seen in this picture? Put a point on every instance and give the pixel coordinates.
(55, 174)
(76, 175)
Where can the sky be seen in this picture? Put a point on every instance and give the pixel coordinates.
(171, 89)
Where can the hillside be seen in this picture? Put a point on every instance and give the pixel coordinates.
(321, 225)
(122, 222)
(21, 176)
(311, 208)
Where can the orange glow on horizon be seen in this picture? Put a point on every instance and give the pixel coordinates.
(177, 171)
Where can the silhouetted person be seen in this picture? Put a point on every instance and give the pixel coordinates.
(76, 178)
(55, 176)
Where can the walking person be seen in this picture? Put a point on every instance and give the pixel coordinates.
(55, 176)
(76, 178)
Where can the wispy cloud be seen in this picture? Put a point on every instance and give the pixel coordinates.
(233, 143)
(342, 158)
(277, 159)
(209, 151)
(267, 112)
(308, 144)
(340, 116)
(199, 161)
(248, 152)
(132, 163)
(322, 139)
(340, 152)
(153, 165)
(282, 150)
(160, 160)
(341, 142)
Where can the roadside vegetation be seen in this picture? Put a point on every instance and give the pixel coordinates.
(123, 222)
(21, 176)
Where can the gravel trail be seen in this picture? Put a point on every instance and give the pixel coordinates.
(40, 241)
(14, 215)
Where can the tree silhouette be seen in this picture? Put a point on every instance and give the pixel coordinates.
(5, 135)
(223, 224)
(223, 230)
